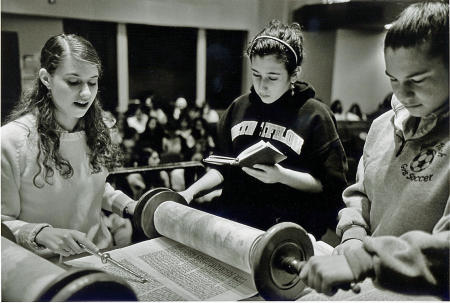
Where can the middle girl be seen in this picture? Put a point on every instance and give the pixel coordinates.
(306, 187)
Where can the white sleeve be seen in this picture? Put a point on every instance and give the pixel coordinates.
(13, 142)
(354, 218)
(114, 200)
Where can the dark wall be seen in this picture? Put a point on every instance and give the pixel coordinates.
(11, 81)
(225, 50)
(102, 35)
(162, 61)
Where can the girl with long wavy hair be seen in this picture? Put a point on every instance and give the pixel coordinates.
(56, 154)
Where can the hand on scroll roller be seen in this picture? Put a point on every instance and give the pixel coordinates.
(347, 245)
(326, 274)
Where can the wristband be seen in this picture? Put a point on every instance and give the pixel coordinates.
(351, 239)
(34, 234)
(125, 213)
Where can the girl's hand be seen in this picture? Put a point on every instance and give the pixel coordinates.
(347, 245)
(265, 173)
(64, 241)
(326, 274)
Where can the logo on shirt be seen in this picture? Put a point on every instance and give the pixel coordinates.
(421, 162)
(271, 131)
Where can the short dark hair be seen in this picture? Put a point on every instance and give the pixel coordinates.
(420, 23)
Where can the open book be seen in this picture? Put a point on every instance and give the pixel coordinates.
(259, 153)
(175, 272)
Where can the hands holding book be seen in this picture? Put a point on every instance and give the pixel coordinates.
(259, 153)
(266, 173)
(279, 174)
(259, 161)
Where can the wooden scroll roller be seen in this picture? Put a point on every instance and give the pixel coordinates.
(28, 277)
(270, 257)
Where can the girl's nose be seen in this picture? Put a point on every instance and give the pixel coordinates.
(263, 84)
(85, 92)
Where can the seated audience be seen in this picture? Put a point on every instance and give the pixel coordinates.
(138, 120)
(209, 114)
(152, 136)
(355, 114)
(336, 108)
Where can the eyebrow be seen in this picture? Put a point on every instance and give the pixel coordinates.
(420, 73)
(271, 73)
(76, 75)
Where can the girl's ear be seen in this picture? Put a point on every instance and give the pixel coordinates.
(296, 74)
(45, 77)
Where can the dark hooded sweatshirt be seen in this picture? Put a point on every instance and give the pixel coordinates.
(302, 128)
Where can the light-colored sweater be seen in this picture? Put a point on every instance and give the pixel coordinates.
(417, 262)
(73, 203)
(399, 205)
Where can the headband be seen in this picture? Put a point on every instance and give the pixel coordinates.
(279, 40)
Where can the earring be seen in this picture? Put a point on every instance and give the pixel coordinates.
(292, 88)
(49, 94)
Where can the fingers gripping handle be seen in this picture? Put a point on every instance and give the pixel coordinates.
(294, 266)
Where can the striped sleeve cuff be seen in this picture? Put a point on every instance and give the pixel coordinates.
(354, 232)
(119, 203)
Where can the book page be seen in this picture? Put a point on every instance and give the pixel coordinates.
(221, 157)
(175, 272)
(260, 153)
(249, 150)
(220, 160)
(273, 147)
(267, 156)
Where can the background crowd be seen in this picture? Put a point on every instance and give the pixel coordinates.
(151, 133)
